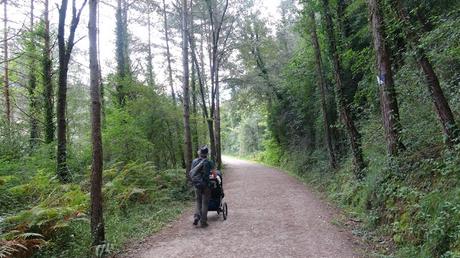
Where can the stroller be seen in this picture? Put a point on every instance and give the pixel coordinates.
(217, 195)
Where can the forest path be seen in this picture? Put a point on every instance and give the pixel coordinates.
(271, 214)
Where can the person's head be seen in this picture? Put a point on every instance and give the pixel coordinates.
(203, 151)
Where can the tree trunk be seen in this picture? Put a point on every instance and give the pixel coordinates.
(388, 101)
(322, 87)
(442, 108)
(168, 52)
(217, 124)
(65, 51)
(122, 63)
(185, 63)
(97, 219)
(61, 157)
(47, 79)
(150, 80)
(6, 86)
(345, 112)
(33, 105)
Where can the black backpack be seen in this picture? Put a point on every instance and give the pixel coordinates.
(197, 174)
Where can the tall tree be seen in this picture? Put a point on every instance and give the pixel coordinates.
(388, 101)
(322, 87)
(33, 105)
(47, 78)
(97, 219)
(345, 112)
(216, 21)
(65, 51)
(186, 88)
(150, 78)
(442, 108)
(6, 85)
(123, 62)
(168, 52)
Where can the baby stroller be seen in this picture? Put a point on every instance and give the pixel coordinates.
(216, 202)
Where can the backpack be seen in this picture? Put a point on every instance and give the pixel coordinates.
(197, 174)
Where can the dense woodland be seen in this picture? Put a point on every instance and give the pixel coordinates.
(359, 99)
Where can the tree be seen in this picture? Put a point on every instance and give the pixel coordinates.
(345, 112)
(388, 101)
(97, 219)
(186, 88)
(33, 105)
(65, 51)
(442, 108)
(124, 75)
(6, 87)
(47, 78)
(168, 52)
(150, 78)
(322, 87)
(216, 24)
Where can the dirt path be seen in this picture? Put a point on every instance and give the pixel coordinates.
(270, 215)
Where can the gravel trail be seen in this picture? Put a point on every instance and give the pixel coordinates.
(270, 214)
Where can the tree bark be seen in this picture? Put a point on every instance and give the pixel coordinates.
(217, 124)
(122, 62)
(388, 101)
(150, 80)
(186, 88)
(345, 112)
(47, 79)
(6, 86)
(195, 137)
(33, 105)
(65, 51)
(168, 53)
(97, 219)
(442, 107)
(322, 87)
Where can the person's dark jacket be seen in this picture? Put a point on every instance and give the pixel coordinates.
(207, 165)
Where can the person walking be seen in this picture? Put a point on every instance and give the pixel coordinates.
(201, 169)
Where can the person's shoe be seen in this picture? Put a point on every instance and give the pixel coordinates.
(195, 221)
(204, 224)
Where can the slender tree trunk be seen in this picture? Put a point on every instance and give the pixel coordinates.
(195, 140)
(206, 115)
(99, 65)
(120, 54)
(322, 87)
(168, 52)
(47, 79)
(6, 86)
(32, 84)
(150, 80)
(195, 137)
(97, 219)
(217, 124)
(442, 108)
(388, 101)
(65, 51)
(186, 88)
(61, 157)
(345, 112)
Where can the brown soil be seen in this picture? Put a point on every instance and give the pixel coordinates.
(270, 214)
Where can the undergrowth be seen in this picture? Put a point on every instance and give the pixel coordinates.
(42, 217)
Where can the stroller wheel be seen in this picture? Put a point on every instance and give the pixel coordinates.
(225, 211)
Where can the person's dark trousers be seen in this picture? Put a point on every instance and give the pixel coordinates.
(202, 201)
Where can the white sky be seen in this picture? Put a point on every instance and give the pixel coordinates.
(19, 15)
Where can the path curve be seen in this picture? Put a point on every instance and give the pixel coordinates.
(271, 214)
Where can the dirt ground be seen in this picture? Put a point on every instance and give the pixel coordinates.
(270, 214)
